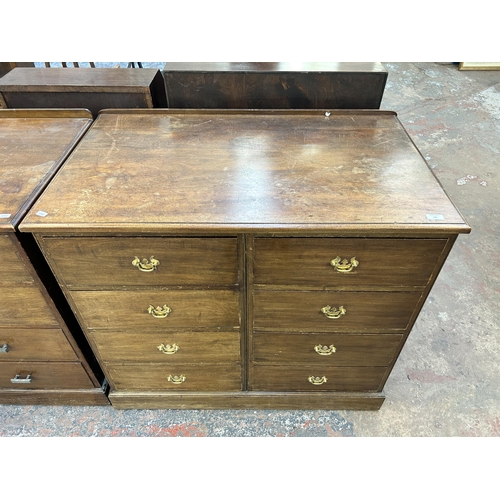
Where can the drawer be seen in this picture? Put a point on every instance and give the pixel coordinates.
(315, 261)
(13, 269)
(166, 347)
(24, 306)
(32, 375)
(85, 262)
(319, 349)
(302, 311)
(35, 344)
(346, 378)
(174, 308)
(161, 377)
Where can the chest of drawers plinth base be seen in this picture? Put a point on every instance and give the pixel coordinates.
(247, 401)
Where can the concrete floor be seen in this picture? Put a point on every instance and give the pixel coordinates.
(447, 379)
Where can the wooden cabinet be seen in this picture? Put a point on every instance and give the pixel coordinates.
(274, 85)
(89, 88)
(225, 259)
(42, 349)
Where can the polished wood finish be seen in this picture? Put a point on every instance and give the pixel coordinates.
(274, 85)
(39, 336)
(90, 88)
(293, 188)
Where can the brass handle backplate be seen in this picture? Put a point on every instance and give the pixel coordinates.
(4, 348)
(332, 312)
(146, 265)
(176, 379)
(344, 265)
(325, 350)
(168, 349)
(18, 380)
(317, 380)
(159, 312)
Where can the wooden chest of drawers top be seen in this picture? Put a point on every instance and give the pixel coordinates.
(33, 144)
(141, 171)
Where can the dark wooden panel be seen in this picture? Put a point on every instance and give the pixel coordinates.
(190, 309)
(379, 262)
(155, 377)
(336, 349)
(108, 261)
(35, 345)
(275, 85)
(285, 378)
(44, 375)
(186, 347)
(90, 88)
(301, 311)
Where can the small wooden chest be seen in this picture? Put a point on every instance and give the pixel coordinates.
(44, 357)
(275, 85)
(89, 88)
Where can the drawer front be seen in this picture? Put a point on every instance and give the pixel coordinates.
(32, 375)
(302, 311)
(173, 308)
(166, 347)
(35, 345)
(285, 378)
(13, 269)
(24, 306)
(161, 377)
(144, 261)
(319, 261)
(318, 349)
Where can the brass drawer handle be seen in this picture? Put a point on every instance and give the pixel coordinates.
(168, 349)
(317, 380)
(159, 312)
(325, 350)
(18, 380)
(176, 379)
(343, 265)
(146, 266)
(4, 348)
(332, 312)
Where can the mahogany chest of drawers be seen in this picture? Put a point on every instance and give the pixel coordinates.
(253, 259)
(89, 88)
(274, 85)
(41, 358)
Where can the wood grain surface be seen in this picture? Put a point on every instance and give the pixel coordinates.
(153, 169)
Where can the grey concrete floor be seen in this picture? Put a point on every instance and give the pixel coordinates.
(447, 379)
